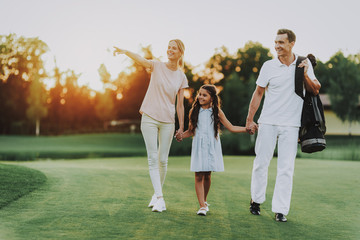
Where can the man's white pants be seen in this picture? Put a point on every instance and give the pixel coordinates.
(152, 130)
(287, 139)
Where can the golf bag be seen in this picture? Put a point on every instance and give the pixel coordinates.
(312, 130)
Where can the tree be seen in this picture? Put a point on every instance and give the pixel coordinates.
(323, 75)
(20, 62)
(235, 76)
(72, 105)
(250, 59)
(236, 98)
(37, 103)
(104, 107)
(53, 119)
(131, 88)
(344, 88)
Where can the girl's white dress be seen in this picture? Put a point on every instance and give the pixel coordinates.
(206, 153)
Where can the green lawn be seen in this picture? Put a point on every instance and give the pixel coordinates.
(107, 199)
(126, 145)
(338, 148)
(71, 146)
(17, 181)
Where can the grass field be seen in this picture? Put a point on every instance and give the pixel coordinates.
(71, 146)
(107, 199)
(17, 181)
(125, 145)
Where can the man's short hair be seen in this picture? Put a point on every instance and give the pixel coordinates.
(290, 34)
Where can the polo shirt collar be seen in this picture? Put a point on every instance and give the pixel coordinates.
(281, 64)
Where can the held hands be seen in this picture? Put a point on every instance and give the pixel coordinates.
(251, 127)
(178, 135)
(118, 51)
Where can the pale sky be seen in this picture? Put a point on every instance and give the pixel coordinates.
(80, 33)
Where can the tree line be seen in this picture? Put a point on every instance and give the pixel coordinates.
(27, 104)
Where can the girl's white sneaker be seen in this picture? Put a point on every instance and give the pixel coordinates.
(202, 211)
(207, 206)
(159, 205)
(153, 201)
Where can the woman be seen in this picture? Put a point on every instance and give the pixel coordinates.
(158, 112)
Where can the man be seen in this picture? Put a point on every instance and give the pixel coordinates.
(279, 123)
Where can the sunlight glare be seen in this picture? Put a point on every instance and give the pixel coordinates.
(187, 93)
(119, 96)
(92, 94)
(25, 76)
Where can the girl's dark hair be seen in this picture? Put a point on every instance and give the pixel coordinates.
(195, 109)
(312, 59)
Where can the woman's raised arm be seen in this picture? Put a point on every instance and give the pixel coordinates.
(136, 57)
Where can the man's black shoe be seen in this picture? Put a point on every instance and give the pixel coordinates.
(279, 217)
(254, 207)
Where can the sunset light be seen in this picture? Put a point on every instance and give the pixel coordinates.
(68, 46)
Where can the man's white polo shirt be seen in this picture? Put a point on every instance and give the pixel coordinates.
(281, 105)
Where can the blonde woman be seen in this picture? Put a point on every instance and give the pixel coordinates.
(167, 83)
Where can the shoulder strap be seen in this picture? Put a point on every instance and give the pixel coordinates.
(299, 78)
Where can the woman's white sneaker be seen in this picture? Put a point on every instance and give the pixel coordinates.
(153, 201)
(202, 211)
(159, 205)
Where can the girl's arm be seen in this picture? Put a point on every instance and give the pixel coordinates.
(228, 125)
(187, 134)
(136, 57)
(180, 109)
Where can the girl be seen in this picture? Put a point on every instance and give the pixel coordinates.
(206, 155)
(158, 112)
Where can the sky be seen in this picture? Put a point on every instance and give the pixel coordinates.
(81, 34)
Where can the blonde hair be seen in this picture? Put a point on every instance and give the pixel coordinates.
(181, 48)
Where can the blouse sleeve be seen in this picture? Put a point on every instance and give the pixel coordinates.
(184, 83)
(155, 65)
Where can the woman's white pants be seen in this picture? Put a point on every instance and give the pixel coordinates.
(158, 137)
(287, 138)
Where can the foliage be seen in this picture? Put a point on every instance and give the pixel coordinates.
(37, 102)
(132, 88)
(69, 108)
(21, 57)
(323, 75)
(237, 94)
(239, 72)
(344, 87)
(104, 107)
(20, 62)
